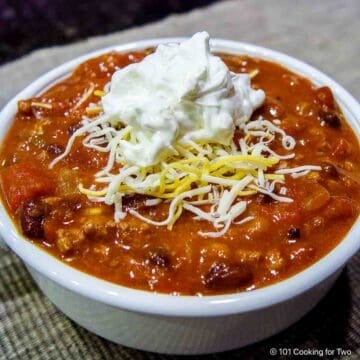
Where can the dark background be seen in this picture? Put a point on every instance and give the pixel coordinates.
(26, 25)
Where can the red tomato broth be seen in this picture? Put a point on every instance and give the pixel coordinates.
(282, 240)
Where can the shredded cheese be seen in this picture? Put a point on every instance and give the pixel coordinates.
(99, 93)
(84, 97)
(298, 171)
(41, 105)
(210, 179)
(194, 175)
(253, 73)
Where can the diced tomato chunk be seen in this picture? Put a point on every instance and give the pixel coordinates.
(341, 148)
(339, 207)
(318, 196)
(22, 182)
(287, 214)
(325, 97)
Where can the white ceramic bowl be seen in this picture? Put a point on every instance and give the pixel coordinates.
(181, 324)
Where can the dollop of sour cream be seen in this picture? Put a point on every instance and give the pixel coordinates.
(181, 92)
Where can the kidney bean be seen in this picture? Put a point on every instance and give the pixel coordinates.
(329, 169)
(329, 119)
(159, 257)
(32, 216)
(54, 149)
(264, 199)
(224, 276)
(72, 128)
(238, 134)
(294, 233)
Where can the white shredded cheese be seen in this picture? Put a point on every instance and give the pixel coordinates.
(152, 202)
(298, 171)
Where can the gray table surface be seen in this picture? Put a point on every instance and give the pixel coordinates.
(323, 33)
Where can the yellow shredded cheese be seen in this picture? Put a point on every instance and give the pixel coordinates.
(253, 73)
(41, 105)
(99, 93)
(86, 95)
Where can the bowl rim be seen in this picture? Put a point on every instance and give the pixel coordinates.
(164, 304)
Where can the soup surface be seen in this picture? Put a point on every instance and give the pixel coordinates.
(279, 240)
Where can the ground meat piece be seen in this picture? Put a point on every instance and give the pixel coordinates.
(24, 106)
(100, 230)
(69, 239)
(102, 251)
(302, 253)
(248, 256)
(134, 201)
(325, 98)
(274, 260)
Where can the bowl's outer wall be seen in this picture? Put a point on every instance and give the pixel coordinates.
(180, 335)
